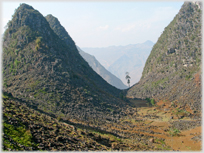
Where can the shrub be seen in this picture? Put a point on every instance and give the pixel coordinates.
(150, 101)
(181, 113)
(38, 43)
(174, 132)
(16, 63)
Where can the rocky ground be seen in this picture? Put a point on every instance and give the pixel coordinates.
(45, 132)
(165, 126)
(142, 128)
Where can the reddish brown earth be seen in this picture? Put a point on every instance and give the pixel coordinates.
(155, 123)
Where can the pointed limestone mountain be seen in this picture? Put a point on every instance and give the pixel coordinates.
(173, 69)
(49, 74)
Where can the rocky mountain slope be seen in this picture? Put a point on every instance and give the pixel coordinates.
(25, 129)
(105, 74)
(173, 69)
(95, 65)
(121, 59)
(48, 73)
(60, 30)
(52, 103)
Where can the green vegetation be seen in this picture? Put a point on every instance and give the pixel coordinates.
(109, 136)
(6, 96)
(16, 63)
(181, 113)
(160, 82)
(87, 91)
(42, 90)
(20, 135)
(162, 144)
(5, 82)
(150, 101)
(111, 110)
(159, 59)
(33, 85)
(187, 77)
(38, 43)
(174, 132)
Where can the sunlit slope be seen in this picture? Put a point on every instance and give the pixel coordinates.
(173, 69)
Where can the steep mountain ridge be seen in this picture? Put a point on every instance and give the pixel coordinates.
(58, 29)
(42, 70)
(98, 68)
(62, 33)
(173, 69)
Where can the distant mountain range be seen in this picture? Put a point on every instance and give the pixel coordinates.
(98, 68)
(121, 59)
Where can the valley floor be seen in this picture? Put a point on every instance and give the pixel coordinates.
(179, 130)
(166, 126)
(161, 127)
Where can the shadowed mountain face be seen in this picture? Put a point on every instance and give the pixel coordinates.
(173, 69)
(97, 67)
(121, 59)
(59, 30)
(48, 73)
(105, 74)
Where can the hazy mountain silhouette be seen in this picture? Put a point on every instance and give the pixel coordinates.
(121, 59)
(98, 68)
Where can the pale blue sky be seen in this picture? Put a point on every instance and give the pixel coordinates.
(103, 24)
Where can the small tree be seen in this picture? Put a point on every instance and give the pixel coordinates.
(152, 102)
(127, 77)
(38, 43)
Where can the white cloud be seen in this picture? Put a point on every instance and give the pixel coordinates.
(103, 27)
(126, 28)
